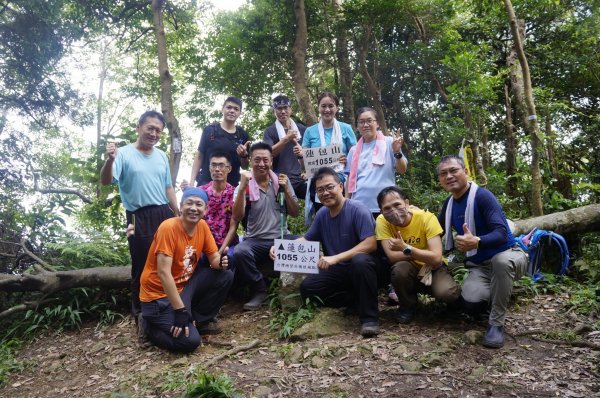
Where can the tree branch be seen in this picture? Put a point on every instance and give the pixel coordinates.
(47, 267)
(24, 307)
(68, 191)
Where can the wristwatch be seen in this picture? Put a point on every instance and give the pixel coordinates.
(398, 155)
(407, 251)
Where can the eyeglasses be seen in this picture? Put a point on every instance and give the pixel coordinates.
(396, 208)
(365, 122)
(219, 166)
(150, 129)
(328, 188)
(451, 171)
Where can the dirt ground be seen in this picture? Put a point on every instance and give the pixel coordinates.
(429, 358)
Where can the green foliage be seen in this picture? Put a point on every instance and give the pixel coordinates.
(588, 266)
(8, 361)
(285, 320)
(584, 300)
(296, 225)
(212, 386)
(101, 250)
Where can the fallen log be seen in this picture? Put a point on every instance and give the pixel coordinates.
(570, 222)
(51, 282)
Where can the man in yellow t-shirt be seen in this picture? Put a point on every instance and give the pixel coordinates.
(178, 298)
(411, 240)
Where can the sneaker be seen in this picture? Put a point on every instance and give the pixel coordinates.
(257, 300)
(494, 337)
(208, 328)
(369, 329)
(142, 336)
(405, 315)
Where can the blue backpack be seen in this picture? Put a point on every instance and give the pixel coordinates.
(535, 243)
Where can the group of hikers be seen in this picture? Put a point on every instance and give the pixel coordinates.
(186, 256)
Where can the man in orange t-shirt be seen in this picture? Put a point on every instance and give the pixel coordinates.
(178, 298)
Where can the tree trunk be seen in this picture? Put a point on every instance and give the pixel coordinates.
(299, 76)
(568, 223)
(99, 107)
(166, 91)
(531, 124)
(52, 282)
(372, 88)
(343, 58)
(561, 182)
(479, 176)
(511, 147)
(485, 149)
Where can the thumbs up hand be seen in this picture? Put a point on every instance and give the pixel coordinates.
(467, 241)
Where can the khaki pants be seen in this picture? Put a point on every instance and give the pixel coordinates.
(407, 284)
(492, 281)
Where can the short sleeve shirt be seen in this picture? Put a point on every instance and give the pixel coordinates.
(422, 227)
(338, 234)
(185, 251)
(142, 179)
(219, 212)
(216, 140)
(286, 162)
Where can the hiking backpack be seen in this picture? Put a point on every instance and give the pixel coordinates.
(536, 243)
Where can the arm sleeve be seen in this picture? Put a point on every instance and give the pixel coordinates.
(167, 181)
(117, 167)
(204, 138)
(494, 219)
(349, 159)
(313, 233)
(442, 215)
(364, 222)
(383, 229)
(209, 246)
(432, 226)
(165, 240)
(268, 137)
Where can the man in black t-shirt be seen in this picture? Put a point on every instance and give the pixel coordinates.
(223, 137)
(285, 136)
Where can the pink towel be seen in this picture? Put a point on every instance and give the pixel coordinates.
(378, 158)
(254, 189)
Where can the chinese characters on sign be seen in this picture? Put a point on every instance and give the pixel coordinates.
(296, 256)
(315, 158)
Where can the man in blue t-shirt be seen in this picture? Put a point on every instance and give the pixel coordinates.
(347, 271)
(483, 234)
(144, 178)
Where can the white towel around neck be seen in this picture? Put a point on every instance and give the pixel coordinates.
(293, 127)
(469, 219)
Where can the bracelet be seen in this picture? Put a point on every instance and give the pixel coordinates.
(398, 155)
(478, 240)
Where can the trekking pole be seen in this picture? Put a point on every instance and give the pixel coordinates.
(281, 197)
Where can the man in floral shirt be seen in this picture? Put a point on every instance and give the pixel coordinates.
(220, 203)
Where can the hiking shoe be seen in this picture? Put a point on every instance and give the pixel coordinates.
(208, 328)
(369, 329)
(494, 337)
(142, 337)
(405, 315)
(256, 301)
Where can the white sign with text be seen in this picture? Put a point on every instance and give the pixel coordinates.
(326, 156)
(296, 256)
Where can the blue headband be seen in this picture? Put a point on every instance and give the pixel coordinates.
(201, 193)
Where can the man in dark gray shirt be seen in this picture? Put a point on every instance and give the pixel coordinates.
(260, 199)
(285, 136)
